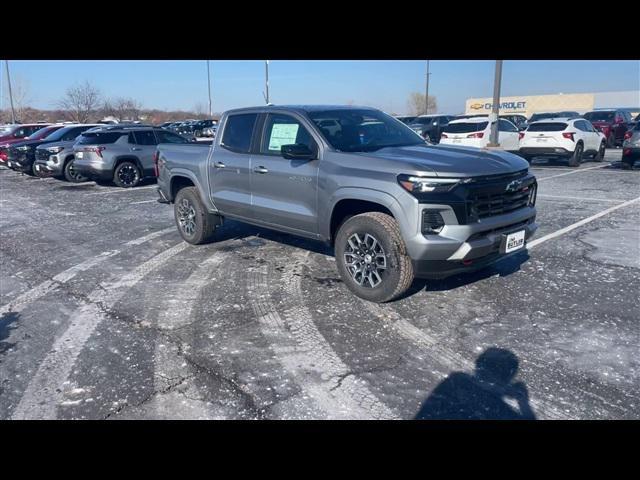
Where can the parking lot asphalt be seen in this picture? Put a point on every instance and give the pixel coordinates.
(106, 313)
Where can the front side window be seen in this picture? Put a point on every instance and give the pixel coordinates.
(506, 126)
(238, 132)
(352, 130)
(284, 130)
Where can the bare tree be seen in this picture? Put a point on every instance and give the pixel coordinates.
(81, 101)
(21, 97)
(122, 108)
(416, 104)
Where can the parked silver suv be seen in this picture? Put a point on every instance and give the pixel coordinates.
(55, 159)
(123, 155)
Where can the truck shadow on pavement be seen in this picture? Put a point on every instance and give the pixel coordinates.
(481, 395)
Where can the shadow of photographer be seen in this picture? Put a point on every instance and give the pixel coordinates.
(482, 395)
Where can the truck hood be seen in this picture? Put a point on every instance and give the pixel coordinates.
(452, 161)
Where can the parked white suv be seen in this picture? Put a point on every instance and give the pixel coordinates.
(476, 132)
(571, 138)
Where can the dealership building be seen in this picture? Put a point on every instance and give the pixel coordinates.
(577, 102)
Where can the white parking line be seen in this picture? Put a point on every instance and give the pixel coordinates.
(582, 222)
(124, 190)
(572, 172)
(585, 199)
(44, 393)
(43, 288)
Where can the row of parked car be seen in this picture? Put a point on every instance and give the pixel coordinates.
(122, 154)
(197, 128)
(560, 134)
(614, 124)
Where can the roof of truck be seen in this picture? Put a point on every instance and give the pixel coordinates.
(303, 108)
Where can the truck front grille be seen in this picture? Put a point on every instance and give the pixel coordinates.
(490, 205)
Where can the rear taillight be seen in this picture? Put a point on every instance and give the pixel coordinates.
(627, 135)
(520, 135)
(569, 135)
(156, 169)
(444, 135)
(97, 150)
(476, 135)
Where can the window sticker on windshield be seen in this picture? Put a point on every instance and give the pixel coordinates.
(283, 134)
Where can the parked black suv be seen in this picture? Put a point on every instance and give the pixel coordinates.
(430, 127)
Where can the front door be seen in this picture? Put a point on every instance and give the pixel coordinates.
(283, 190)
(508, 135)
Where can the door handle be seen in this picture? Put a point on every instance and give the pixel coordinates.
(135, 149)
(219, 165)
(260, 169)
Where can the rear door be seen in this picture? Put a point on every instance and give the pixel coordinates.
(144, 148)
(230, 164)
(283, 190)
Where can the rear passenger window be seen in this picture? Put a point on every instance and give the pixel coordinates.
(145, 137)
(238, 132)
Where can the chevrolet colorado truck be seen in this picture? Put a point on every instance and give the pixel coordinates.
(392, 206)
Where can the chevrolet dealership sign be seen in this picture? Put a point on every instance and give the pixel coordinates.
(579, 102)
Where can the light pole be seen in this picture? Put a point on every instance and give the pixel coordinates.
(426, 96)
(209, 87)
(13, 112)
(495, 110)
(266, 83)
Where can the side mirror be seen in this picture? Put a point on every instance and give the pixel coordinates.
(297, 151)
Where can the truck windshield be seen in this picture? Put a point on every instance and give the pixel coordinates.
(363, 130)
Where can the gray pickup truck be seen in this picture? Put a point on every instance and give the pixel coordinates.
(393, 207)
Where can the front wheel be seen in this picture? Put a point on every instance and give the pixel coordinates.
(372, 258)
(576, 158)
(127, 175)
(195, 224)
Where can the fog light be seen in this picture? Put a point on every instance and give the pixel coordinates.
(432, 221)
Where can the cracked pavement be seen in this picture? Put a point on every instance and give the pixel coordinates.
(258, 324)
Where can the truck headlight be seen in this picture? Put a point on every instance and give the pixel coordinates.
(55, 149)
(23, 148)
(415, 184)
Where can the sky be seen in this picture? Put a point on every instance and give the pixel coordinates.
(175, 85)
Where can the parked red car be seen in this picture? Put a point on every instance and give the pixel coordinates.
(613, 123)
(16, 133)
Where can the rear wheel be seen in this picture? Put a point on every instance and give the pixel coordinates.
(371, 257)
(71, 174)
(600, 155)
(195, 224)
(576, 158)
(127, 175)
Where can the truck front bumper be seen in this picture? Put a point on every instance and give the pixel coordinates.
(463, 248)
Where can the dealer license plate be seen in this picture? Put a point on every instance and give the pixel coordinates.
(514, 241)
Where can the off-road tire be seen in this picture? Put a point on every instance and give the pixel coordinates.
(398, 274)
(203, 221)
